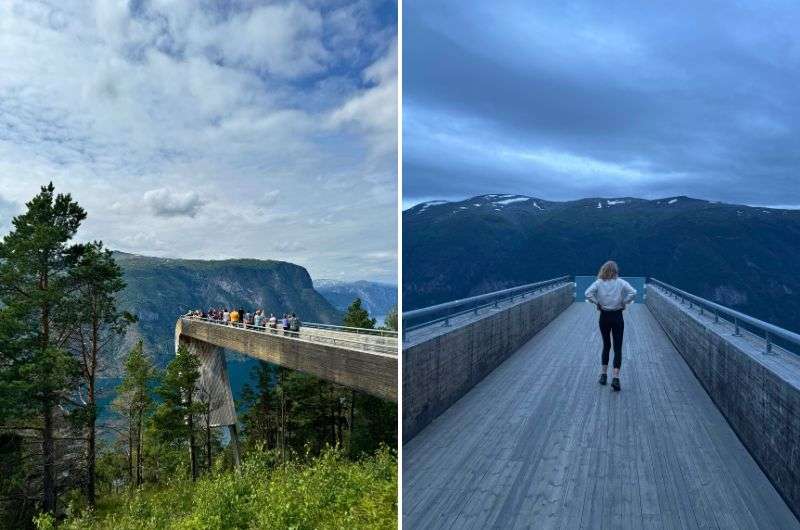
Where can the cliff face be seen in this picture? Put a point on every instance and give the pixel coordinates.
(160, 289)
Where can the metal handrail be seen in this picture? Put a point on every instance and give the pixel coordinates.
(309, 337)
(429, 314)
(771, 331)
(350, 329)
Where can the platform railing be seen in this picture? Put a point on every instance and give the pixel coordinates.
(770, 333)
(349, 329)
(442, 313)
(357, 342)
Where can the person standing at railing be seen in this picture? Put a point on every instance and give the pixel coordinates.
(226, 316)
(294, 323)
(273, 322)
(285, 322)
(611, 294)
(258, 318)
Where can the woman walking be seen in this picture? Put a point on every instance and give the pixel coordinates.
(611, 294)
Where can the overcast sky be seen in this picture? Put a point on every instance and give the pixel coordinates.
(565, 100)
(236, 129)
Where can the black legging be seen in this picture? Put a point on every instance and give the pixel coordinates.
(611, 323)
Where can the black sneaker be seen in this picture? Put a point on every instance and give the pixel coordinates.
(615, 384)
(603, 379)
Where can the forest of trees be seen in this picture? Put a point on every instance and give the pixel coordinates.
(61, 329)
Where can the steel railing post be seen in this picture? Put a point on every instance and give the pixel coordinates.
(769, 342)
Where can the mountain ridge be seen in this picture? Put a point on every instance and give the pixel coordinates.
(737, 255)
(378, 298)
(159, 290)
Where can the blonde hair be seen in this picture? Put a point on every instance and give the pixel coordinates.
(608, 271)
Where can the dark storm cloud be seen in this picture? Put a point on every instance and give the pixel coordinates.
(584, 99)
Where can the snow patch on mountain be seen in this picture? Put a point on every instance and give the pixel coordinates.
(512, 200)
(426, 205)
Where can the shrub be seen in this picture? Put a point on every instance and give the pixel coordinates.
(328, 491)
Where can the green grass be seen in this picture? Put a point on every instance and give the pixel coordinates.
(323, 493)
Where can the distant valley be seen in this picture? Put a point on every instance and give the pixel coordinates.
(377, 298)
(747, 258)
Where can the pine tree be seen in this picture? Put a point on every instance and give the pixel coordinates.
(96, 329)
(36, 372)
(358, 317)
(134, 402)
(260, 419)
(175, 416)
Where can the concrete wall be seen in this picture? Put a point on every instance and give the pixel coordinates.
(373, 373)
(759, 395)
(214, 387)
(437, 372)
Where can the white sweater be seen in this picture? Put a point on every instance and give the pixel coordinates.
(611, 294)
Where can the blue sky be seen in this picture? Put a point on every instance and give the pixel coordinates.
(209, 129)
(563, 100)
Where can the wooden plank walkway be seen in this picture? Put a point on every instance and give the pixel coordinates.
(539, 444)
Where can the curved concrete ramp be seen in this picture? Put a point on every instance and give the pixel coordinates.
(539, 444)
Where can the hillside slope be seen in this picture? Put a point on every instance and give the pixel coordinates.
(160, 289)
(744, 257)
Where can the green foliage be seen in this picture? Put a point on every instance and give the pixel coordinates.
(35, 263)
(176, 391)
(261, 416)
(324, 492)
(44, 521)
(374, 424)
(139, 375)
(134, 404)
(294, 412)
(175, 417)
(112, 468)
(358, 317)
(37, 374)
(301, 414)
(391, 319)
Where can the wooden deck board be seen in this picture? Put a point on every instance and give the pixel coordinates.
(539, 444)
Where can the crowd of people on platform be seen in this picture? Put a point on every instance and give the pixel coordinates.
(258, 319)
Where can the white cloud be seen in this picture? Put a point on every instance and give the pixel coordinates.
(374, 109)
(168, 203)
(281, 39)
(172, 120)
(270, 197)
